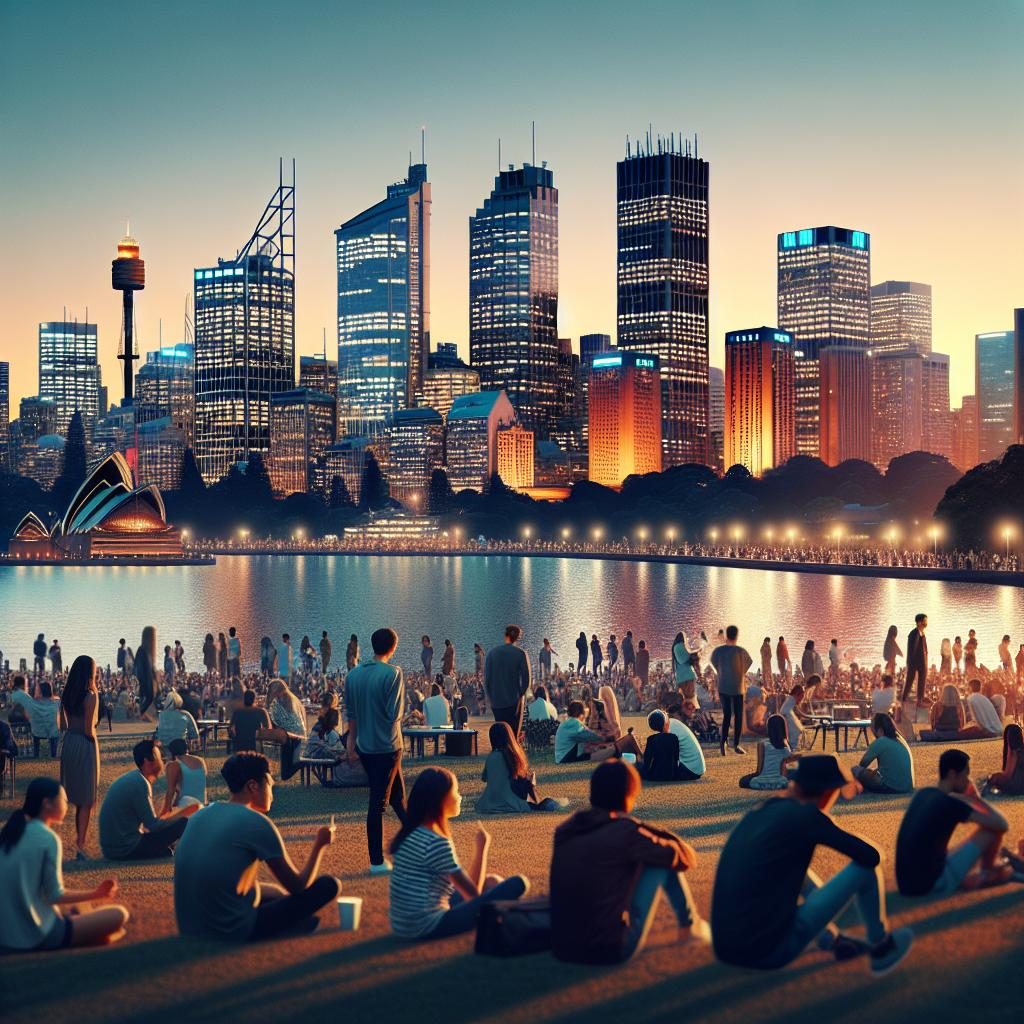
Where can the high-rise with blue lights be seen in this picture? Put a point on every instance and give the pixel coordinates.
(994, 387)
(384, 305)
(662, 216)
(513, 293)
(824, 300)
(69, 372)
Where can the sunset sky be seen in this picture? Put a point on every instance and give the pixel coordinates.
(900, 119)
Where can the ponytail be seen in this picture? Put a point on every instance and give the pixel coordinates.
(38, 791)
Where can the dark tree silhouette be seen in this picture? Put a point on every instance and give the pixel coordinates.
(339, 495)
(72, 474)
(373, 494)
(439, 500)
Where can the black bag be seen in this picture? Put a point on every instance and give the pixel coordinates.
(514, 928)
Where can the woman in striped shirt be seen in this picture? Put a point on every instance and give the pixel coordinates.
(432, 895)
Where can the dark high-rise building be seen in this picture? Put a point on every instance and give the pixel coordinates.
(245, 339)
(995, 389)
(845, 404)
(69, 372)
(901, 317)
(319, 374)
(824, 296)
(662, 215)
(384, 305)
(513, 293)
(1018, 376)
(5, 415)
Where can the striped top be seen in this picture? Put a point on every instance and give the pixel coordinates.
(421, 888)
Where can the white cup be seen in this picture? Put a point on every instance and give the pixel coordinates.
(349, 910)
(629, 757)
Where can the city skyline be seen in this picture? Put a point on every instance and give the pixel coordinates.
(346, 149)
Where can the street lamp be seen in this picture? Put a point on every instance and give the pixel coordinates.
(713, 534)
(934, 534)
(1007, 534)
(244, 534)
(670, 533)
(597, 533)
(526, 532)
(565, 533)
(642, 533)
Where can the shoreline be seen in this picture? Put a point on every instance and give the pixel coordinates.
(78, 563)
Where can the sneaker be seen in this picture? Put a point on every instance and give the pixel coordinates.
(846, 947)
(1015, 862)
(80, 855)
(888, 954)
(739, 749)
(699, 933)
(561, 802)
(383, 868)
(723, 748)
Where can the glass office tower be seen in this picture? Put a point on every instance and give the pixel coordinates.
(901, 317)
(383, 305)
(824, 299)
(69, 372)
(165, 387)
(513, 293)
(662, 214)
(994, 386)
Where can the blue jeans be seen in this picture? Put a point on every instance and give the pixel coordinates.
(462, 915)
(644, 904)
(823, 902)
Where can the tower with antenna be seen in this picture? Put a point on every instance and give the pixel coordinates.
(128, 276)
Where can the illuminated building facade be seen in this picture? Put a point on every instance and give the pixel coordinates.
(345, 460)
(319, 374)
(759, 399)
(845, 404)
(515, 457)
(662, 216)
(303, 424)
(965, 434)
(5, 415)
(716, 419)
(41, 459)
(165, 389)
(513, 293)
(159, 449)
(995, 388)
(901, 317)
(415, 450)
(936, 419)
(384, 305)
(625, 417)
(69, 372)
(897, 405)
(245, 339)
(471, 443)
(446, 378)
(824, 299)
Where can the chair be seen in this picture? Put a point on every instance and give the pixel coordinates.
(23, 737)
(8, 773)
(321, 767)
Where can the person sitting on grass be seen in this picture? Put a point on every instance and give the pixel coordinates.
(608, 871)
(216, 894)
(130, 829)
(186, 777)
(511, 786)
(1011, 778)
(540, 708)
(246, 722)
(575, 742)
(757, 916)
(432, 896)
(691, 756)
(986, 718)
(773, 757)
(895, 771)
(925, 864)
(32, 892)
(662, 762)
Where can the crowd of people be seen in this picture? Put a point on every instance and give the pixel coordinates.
(607, 869)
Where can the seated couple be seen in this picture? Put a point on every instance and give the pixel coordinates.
(672, 753)
(575, 742)
(511, 785)
(948, 721)
(926, 865)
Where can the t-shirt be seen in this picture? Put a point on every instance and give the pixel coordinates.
(30, 883)
(794, 727)
(683, 668)
(174, 724)
(661, 757)
(234, 648)
(374, 697)
(215, 866)
(20, 699)
(569, 736)
(984, 713)
(284, 660)
(761, 874)
(42, 714)
(541, 711)
(245, 722)
(126, 812)
(436, 711)
(690, 754)
(771, 776)
(421, 887)
(895, 764)
(731, 663)
(882, 700)
(924, 837)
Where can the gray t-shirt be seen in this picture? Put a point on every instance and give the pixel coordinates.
(127, 811)
(731, 663)
(374, 698)
(215, 866)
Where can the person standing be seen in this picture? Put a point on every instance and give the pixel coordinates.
(643, 663)
(57, 658)
(782, 659)
(478, 661)
(833, 662)
(731, 663)
(209, 655)
(179, 657)
(121, 657)
(234, 654)
(582, 651)
(613, 654)
(284, 658)
(1004, 653)
(891, 650)
(325, 652)
(448, 659)
(506, 680)
(374, 701)
(39, 655)
(544, 657)
(80, 753)
(170, 666)
(596, 657)
(683, 673)
(917, 658)
(628, 654)
(222, 657)
(766, 662)
(145, 671)
(352, 653)
(426, 655)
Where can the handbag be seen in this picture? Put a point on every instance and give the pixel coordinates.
(513, 928)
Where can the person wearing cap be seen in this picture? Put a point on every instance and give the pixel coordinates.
(757, 916)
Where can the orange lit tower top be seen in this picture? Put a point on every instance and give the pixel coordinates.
(127, 276)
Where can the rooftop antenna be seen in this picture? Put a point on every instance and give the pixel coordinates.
(423, 144)
(499, 154)
(325, 344)
(533, 143)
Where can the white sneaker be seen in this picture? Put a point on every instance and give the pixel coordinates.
(699, 933)
(384, 868)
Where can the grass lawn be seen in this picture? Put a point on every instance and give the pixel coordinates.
(963, 964)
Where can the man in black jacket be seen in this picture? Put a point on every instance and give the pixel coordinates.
(506, 680)
(917, 657)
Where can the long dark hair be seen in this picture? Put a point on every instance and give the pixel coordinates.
(426, 802)
(327, 722)
(885, 725)
(680, 639)
(38, 790)
(83, 670)
(777, 732)
(1013, 739)
(502, 740)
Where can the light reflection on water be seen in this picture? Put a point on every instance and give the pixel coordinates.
(470, 600)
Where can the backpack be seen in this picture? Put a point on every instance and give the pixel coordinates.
(514, 928)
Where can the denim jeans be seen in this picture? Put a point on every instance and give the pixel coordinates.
(280, 913)
(37, 743)
(386, 787)
(462, 915)
(644, 904)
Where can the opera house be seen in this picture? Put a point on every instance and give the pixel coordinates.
(108, 518)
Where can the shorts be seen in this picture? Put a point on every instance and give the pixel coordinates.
(59, 935)
(958, 865)
(574, 755)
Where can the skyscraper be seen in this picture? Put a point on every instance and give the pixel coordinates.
(515, 457)
(165, 387)
(759, 412)
(995, 388)
(824, 286)
(384, 304)
(69, 372)
(319, 374)
(415, 450)
(302, 427)
(625, 417)
(965, 434)
(513, 293)
(5, 415)
(936, 422)
(901, 317)
(716, 419)
(245, 339)
(471, 442)
(897, 405)
(1018, 375)
(662, 215)
(446, 378)
(844, 379)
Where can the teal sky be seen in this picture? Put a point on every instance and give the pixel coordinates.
(903, 119)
